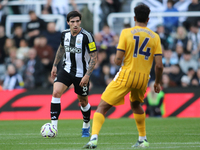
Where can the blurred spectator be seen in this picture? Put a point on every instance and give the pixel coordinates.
(87, 19)
(176, 74)
(20, 66)
(44, 52)
(13, 80)
(107, 35)
(49, 81)
(160, 30)
(25, 9)
(109, 70)
(168, 60)
(166, 82)
(18, 35)
(98, 40)
(194, 41)
(34, 27)
(107, 7)
(113, 46)
(154, 102)
(22, 51)
(60, 6)
(187, 62)
(9, 43)
(170, 23)
(3, 38)
(185, 81)
(113, 67)
(194, 6)
(15, 8)
(155, 6)
(180, 37)
(3, 14)
(179, 50)
(12, 56)
(196, 81)
(191, 74)
(106, 74)
(53, 36)
(34, 73)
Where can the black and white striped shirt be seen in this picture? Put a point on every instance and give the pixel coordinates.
(77, 48)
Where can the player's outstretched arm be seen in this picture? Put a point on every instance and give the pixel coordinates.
(158, 72)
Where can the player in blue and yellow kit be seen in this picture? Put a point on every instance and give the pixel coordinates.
(137, 48)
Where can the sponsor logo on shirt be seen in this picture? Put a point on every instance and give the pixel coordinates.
(72, 49)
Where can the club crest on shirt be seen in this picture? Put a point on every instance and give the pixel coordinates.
(78, 42)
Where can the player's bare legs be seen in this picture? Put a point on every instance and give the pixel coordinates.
(86, 111)
(136, 107)
(83, 100)
(98, 120)
(139, 116)
(58, 90)
(103, 107)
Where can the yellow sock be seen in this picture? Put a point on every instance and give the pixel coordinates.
(140, 123)
(98, 120)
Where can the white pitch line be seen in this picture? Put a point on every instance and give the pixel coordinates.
(64, 143)
(11, 134)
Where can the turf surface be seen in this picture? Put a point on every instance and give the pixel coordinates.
(116, 134)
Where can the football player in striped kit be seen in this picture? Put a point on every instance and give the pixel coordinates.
(78, 50)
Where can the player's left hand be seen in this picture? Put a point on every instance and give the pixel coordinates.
(84, 81)
(157, 87)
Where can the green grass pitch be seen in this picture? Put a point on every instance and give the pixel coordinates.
(116, 134)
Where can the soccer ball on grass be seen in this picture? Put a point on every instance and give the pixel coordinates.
(48, 130)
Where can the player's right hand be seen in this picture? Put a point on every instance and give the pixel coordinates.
(54, 72)
(157, 87)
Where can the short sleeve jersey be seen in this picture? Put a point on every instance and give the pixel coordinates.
(77, 49)
(140, 45)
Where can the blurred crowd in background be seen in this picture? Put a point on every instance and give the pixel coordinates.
(27, 56)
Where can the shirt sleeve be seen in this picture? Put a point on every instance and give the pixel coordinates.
(91, 46)
(122, 42)
(62, 39)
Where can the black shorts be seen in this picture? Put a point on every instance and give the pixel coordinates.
(68, 79)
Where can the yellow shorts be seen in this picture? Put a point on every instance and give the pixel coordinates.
(114, 94)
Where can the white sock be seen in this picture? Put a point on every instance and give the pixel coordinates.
(86, 108)
(142, 138)
(94, 136)
(86, 125)
(55, 123)
(55, 100)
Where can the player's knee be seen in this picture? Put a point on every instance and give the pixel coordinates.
(103, 108)
(135, 105)
(57, 93)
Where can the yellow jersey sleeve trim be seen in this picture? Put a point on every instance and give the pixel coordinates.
(92, 46)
